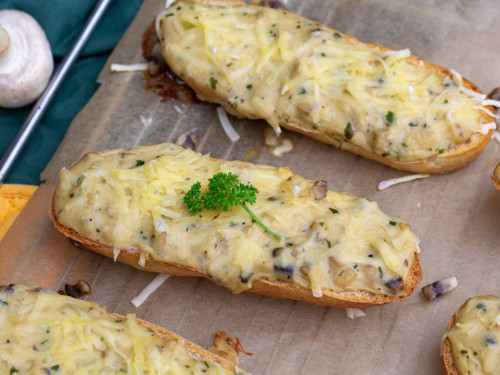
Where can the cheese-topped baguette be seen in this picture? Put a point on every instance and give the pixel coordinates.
(496, 177)
(335, 249)
(42, 332)
(271, 64)
(471, 344)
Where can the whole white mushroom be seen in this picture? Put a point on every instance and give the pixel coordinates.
(25, 59)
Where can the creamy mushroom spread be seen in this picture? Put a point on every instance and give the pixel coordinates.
(271, 64)
(475, 337)
(42, 332)
(132, 199)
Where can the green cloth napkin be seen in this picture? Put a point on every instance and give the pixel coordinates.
(62, 20)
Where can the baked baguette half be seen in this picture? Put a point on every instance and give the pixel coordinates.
(496, 176)
(42, 332)
(471, 344)
(270, 64)
(335, 249)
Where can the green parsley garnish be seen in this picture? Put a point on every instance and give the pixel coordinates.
(169, 15)
(3, 303)
(249, 87)
(13, 370)
(349, 131)
(337, 36)
(329, 244)
(389, 117)
(481, 306)
(224, 191)
(393, 222)
(55, 368)
(302, 91)
(138, 163)
(213, 83)
(334, 211)
(413, 124)
(381, 272)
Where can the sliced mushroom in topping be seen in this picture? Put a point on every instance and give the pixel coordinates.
(319, 189)
(439, 288)
(187, 139)
(78, 290)
(395, 283)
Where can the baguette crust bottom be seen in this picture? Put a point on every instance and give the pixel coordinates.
(196, 351)
(447, 353)
(458, 156)
(263, 286)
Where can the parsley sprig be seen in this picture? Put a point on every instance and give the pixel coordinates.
(224, 191)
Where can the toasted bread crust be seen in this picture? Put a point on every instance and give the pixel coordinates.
(270, 288)
(197, 351)
(447, 353)
(456, 157)
(496, 176)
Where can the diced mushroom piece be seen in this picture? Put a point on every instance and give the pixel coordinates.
(395, 283)
(439, 288)
(342, 274)
(319, 189)
(228, 347)
(78, 290)
(187, 139)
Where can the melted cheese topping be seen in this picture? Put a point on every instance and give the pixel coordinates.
(275, 65)
(132, 199)
(475, 337)
(42, 332)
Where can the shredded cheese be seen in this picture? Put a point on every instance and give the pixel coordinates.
(385, 184)
(149, 289)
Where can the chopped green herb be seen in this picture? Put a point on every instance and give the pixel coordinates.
(13, 370)
(178, 8)
(138, 163)
(78, 180)
(3, 303)
(323, 54)
(229, 63)
(381, 272)
(302, 91)
(389, 117)
(337, 35)
(169, 15)
(445, 101)
(348, 131)
(287, 118)
(55, 368)
(393, 222)
(321, 223)
(329, 244)
(246, 279)
(441, 150)
(413, 124)
(481, 306)
(384, 154)
(213, 83)
(206, 364)
(475, 353)
(463, 351)
(224, 191)
(334, 211)
(249, 87)
(71, 195)
(289, 244)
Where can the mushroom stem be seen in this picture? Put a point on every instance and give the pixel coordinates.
(4, 41)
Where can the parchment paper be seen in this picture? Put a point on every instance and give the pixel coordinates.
(456, 216)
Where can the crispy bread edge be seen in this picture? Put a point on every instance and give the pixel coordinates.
(450, 160)
(270, 288)
(197, 351)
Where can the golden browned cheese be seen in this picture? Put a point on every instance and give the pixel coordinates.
(133, 199)
(475, 337)
(42, 332)
(274, 65)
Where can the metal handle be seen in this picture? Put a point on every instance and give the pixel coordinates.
(44, 101)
